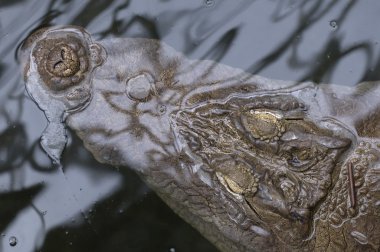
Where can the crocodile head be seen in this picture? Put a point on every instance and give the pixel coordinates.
(265, 153)
(248, 161)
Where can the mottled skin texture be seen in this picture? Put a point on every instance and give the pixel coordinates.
(254, 164)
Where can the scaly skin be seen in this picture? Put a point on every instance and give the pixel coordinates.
(254, 164)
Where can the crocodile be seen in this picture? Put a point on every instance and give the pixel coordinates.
(253, 164)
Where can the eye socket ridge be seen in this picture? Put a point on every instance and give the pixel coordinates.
(262, 124)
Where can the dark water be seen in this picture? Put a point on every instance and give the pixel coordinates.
(91, 207)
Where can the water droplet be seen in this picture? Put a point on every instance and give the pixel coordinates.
(334, 24)
(13, 241)
(44, 212)
(259, 230)
(172, 250)
(67, 232)
(209, 3)
(359, 237)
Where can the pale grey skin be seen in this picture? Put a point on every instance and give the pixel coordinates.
(135, 101)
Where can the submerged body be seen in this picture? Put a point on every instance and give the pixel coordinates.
(253, 164)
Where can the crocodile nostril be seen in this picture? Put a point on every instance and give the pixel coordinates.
(63, 61)
(58, 65)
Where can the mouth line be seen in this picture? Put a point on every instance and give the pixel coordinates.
(297, 214)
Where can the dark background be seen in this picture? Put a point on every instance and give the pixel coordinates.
(91, 207)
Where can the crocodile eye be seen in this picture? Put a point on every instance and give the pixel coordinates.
(264, 125)
(62, 62)
(301, 159)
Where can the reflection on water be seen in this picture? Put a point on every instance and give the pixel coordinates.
(89, 206)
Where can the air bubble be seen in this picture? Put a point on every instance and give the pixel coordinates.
(162, 109)
(172, 250)
(209, 3)
(13, 241)
(334, 24)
